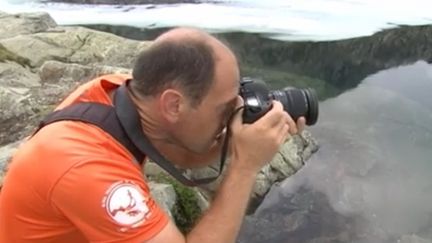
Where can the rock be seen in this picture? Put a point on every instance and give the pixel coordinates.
(16, 82)
(14, 75)
(164, 195)
(5, 155)
(28, 96)
(27, 93)
(189, 203)
(14, 106)
(23, 24)
(8, 56)
(75, 45)
(26, 34)
(59, 73)
(202, 200)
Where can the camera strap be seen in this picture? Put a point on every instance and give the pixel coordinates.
(130, 121)
(123, 123)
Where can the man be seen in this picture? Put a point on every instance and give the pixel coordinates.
(72, 182)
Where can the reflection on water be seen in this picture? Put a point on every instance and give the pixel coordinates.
(374, 167)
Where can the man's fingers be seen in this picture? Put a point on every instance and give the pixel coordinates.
(277, 116)
(301, 124)
(273, 117)
(284, 133)
(292, 125)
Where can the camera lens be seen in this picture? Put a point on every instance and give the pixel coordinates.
(298, 102)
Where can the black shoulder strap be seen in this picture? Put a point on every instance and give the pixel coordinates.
(129, 119)
(123, 124)
(101, 115)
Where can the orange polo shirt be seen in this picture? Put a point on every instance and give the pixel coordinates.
(74, 183)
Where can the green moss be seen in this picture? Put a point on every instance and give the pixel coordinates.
(186, 210)
(6, 55)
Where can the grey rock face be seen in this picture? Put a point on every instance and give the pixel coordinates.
(5, 155)
(23, 24)
(32, 81)
(164, 195)
(59, 73)
(75, 45)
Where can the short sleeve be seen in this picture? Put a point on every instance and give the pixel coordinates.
(108, 201)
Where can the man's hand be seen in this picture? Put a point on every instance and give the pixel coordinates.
(252, 145)
(256, 144)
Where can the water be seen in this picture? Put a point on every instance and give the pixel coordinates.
(375, 162)
(284, 19)
(371, 180)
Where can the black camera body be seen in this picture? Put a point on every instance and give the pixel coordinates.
(296, 102)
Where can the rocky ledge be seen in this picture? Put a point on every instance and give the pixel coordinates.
(40, 62)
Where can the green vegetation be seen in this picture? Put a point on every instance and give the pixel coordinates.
(186, 210)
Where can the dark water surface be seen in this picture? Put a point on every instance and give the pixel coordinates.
(371, 180)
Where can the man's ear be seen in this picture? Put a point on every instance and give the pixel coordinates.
(171, 104)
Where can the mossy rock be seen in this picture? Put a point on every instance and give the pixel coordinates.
(186, 211)
(6, 55)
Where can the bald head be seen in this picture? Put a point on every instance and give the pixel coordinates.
(184, 58)
(184, 34)
(187, 34)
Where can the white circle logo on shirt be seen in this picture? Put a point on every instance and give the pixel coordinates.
(126, 204)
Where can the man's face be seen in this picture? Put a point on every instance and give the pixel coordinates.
(202, 124)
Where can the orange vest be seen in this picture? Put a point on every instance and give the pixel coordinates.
(74, 183)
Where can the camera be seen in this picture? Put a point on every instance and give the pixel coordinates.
(296, 102)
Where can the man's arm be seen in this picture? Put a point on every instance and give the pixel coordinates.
(252, 147)
(222, 221)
